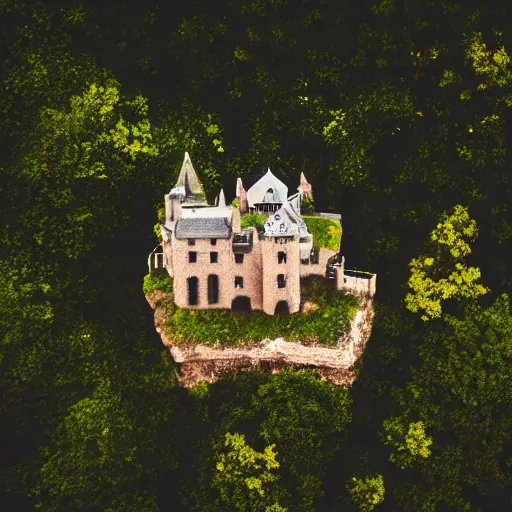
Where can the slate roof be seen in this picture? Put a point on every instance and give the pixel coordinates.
(203, 227)
(257, 193)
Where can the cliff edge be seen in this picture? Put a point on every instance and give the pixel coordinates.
(202, 362)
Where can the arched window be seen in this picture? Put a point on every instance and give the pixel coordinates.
(192, 284)
(213, 289)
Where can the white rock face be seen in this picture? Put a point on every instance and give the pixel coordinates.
(202, 362)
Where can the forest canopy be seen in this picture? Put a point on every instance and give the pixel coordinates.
(397, 113)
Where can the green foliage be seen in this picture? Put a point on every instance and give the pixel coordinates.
(449, 245)
(243, 475)
(461, 385)
(253, 219)
(410, 445)
(306, 417)
(159, 279)
(367, 492)
(308, 205)
(326, 232)
(324, 324)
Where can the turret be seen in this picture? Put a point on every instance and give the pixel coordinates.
(241, 195)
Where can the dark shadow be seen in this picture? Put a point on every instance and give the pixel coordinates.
(213, 289)
(241, 303)
(192, 291)
(282, 308)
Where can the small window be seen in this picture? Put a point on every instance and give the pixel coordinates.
(281, 257)
(214, 257)
(192, 257)
(213, 241)
(239, 282)
(191, 241)
(239, 258)
(280, 281)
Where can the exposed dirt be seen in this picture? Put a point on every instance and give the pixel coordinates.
(201, 362)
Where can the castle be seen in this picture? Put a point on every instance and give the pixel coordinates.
(215, 264)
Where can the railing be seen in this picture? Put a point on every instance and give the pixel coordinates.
(242, 243)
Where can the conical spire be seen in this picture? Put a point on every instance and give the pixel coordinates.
(241, 194)
(304, 187)
(188, 178)
(222, 199)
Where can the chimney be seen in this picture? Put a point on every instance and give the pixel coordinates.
(176, 208)
(236, 225)
(168, 209)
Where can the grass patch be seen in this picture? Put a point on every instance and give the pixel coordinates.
(158, 279)
(326, 232)
(230, 328)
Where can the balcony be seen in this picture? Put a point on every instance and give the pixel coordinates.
(242, 242)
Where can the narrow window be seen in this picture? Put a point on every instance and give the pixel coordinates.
(214, 257)
(239, 282)
(191, 241)
(213, 241)
(192, 257)
(281, 257)
(213, 289)
(192, 291)
(239, 258)
(280, 281)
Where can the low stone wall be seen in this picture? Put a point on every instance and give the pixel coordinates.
(202, 362)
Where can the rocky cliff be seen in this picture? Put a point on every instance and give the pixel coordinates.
(201, 362)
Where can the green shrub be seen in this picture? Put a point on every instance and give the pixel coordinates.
(308, 205)
(324, 325)
(158, 279)
(326, 232)
(253, 219)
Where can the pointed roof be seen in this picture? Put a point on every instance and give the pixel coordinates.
(304, 187)
(239, 187)
(285, 221)
(258, 192)
(189, 180)
(222, 199)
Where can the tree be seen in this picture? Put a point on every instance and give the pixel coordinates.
(367, 492)
(460, 391)
(433, 278)
(243, 476)
(305, 416)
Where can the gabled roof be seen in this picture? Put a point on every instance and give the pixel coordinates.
(189, 180)
(258, 192)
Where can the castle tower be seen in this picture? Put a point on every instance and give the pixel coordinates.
(281, 256)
